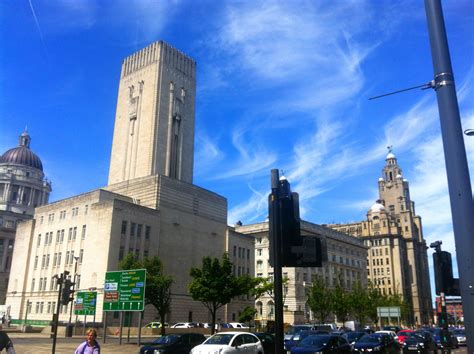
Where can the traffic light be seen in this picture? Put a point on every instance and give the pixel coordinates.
(295, 250)
(67, 293)
(444, 280)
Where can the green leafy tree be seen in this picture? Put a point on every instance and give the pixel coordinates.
(215, 285)
(247, 315)
(265, 286)
(158, 285)
(340, 300)
(320, 299)
(359, 302)
(375, 299)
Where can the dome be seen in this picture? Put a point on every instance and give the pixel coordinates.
(377, 208)
(390, 156)
(380, 179)
(22, 155)
(399, 176)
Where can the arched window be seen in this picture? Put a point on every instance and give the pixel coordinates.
(259, 307)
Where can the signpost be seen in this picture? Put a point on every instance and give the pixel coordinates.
(390, 312)
(85, 303)
(125, 290)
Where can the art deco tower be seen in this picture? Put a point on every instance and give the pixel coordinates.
(154, 123)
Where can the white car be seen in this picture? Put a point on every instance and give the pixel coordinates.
(230, 343)
(391, 334)
(184, 325)
(238, 325)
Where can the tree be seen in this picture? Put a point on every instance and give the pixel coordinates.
(375, 299)
(320, 299)
(158, 285)
(215, 285)
(266, 286)
(359, 302)
(247, 315)
(340, 300)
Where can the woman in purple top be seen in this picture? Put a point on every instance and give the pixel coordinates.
(90, 346)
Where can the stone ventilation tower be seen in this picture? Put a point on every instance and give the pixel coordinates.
(154, 123)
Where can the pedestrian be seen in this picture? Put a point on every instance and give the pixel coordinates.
(6, 343)
(90, 346)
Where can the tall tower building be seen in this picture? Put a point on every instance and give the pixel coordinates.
(154, 122)
(397, 261)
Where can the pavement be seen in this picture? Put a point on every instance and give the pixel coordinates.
(25, 343)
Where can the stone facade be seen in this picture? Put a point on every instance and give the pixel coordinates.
(397, 261)
(154, 122)
(347, 256)
(23, 187)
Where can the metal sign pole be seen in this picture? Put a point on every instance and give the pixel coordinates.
(105, 325)
(140, 327)
(121, 327)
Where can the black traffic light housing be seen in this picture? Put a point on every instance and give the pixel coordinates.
(67, 292)
(443, 268)
(284, 215)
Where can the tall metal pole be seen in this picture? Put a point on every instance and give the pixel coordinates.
(73, 294)
(460, 192)
(60, 281)
(275, 235)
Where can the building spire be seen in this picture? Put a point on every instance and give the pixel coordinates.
(24, 139)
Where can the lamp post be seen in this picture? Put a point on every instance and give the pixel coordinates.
(72, 302)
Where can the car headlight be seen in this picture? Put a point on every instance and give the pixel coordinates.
(377, 348)
(421, 344)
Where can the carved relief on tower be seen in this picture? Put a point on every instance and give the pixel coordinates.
(133, 99)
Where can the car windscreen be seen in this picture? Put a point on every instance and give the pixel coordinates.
(315, 341)
(220, 338)
(170, 339)
(370, 338)
(351, 336)
(459, 331)
(296, 329)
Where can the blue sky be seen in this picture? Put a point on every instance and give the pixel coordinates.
(281, 84)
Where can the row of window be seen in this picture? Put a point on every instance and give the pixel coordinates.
(71, 236)
(378, 252)
(347, 261)
(63, 214)
(43, 281)
(51, 307)
(379, 261)
(241, 252)
(135, 229)
(238, 271)
(378, 271)
(69, 259)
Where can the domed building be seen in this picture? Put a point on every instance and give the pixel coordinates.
(23, 187)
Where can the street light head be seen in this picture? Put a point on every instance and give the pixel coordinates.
(469, 132)
(436, 244)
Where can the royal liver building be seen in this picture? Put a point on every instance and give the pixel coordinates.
(397, 261)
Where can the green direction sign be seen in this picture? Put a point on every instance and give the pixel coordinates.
(125, 290)
(85, 303)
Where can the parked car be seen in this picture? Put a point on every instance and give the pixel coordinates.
(268, 342)
(353, 337)
(404, 333)
(323, 343)
(298, 337)
(230, 343)
(155, 325)
(390, 333)
(460, 335)
(294, 329)
(395, 329)
(184, 325)
(437, 338)
(419, 342)
(238, 325)
(174, 344)
(376, 343)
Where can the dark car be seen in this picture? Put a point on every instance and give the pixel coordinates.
(460, 335)
(323, 343)
(174, 343)
(419, 342)
(298, 337)
(353, 337)
(437, 338)
(268, 342)
(376, 343)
